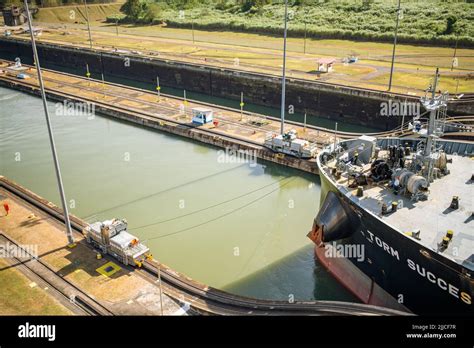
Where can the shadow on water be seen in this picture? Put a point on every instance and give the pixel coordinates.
(299, 276)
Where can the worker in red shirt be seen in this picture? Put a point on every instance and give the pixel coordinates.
(6, 207)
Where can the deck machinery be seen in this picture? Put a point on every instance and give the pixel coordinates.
(112, 238)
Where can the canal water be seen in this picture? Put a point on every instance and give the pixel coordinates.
(235, 224)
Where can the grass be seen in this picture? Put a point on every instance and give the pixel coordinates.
(76, 13)
(18, 298)
(374, 51)
(261, 53)
(446, 83)
(410, 54)
(427, 22)
(269, 60)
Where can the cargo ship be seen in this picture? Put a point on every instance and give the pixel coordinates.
(396, 224)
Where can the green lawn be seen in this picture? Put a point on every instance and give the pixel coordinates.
(446, 83)
(18, 298)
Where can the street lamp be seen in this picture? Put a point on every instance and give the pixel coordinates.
(88, 24)
(50, 130)
(283, 79)
(454, 62)
(394, 46)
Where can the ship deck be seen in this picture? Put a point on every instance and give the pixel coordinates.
(433, 217)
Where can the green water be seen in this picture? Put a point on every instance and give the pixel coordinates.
(236, 226)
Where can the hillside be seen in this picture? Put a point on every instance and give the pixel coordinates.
(76, 13)
(432, 22)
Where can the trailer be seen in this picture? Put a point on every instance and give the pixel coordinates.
(111, 237)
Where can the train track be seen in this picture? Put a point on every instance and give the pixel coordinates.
(77, 297)
(397, 132)
(341, 134)
(202, 298)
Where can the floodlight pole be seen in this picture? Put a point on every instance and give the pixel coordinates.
(88, 23)
(454, 54)
(394, 46)
(283, 79)
(50, 130)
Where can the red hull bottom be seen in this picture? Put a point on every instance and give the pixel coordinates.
(352, 278)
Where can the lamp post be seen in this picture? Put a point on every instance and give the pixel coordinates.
(454, 61)
(50, 131)
(283, 79)
(88, 24)
(304, 44)
(394, 46)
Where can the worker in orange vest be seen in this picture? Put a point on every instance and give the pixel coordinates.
(6, 207)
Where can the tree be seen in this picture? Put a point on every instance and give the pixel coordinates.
(450, 24)
(255, 4)
(132, 8)
(152, 11)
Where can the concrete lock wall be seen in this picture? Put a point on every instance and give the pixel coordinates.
(339, 103)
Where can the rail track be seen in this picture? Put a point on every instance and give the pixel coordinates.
(201, 298)
(341, 134)
(71, 292)
(398, 131)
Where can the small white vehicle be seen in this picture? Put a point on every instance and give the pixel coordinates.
(111, 237)
(289, 144)
(202, 116)
(22, 76)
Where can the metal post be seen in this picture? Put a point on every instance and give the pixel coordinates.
(394, 46)
(116, 26)
(88, 74)
(335, 137)
(283, 79)
(454, 55)
(185, 102)
(304, 45)
(88, 24)
(431, 122)
(103, 85)
(305, 122)
(403, 115)
(241, 105)
(50, 131)
(158, 88)
(161, 289)
(435, 84)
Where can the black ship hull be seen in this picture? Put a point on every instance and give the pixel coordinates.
(395, 270)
